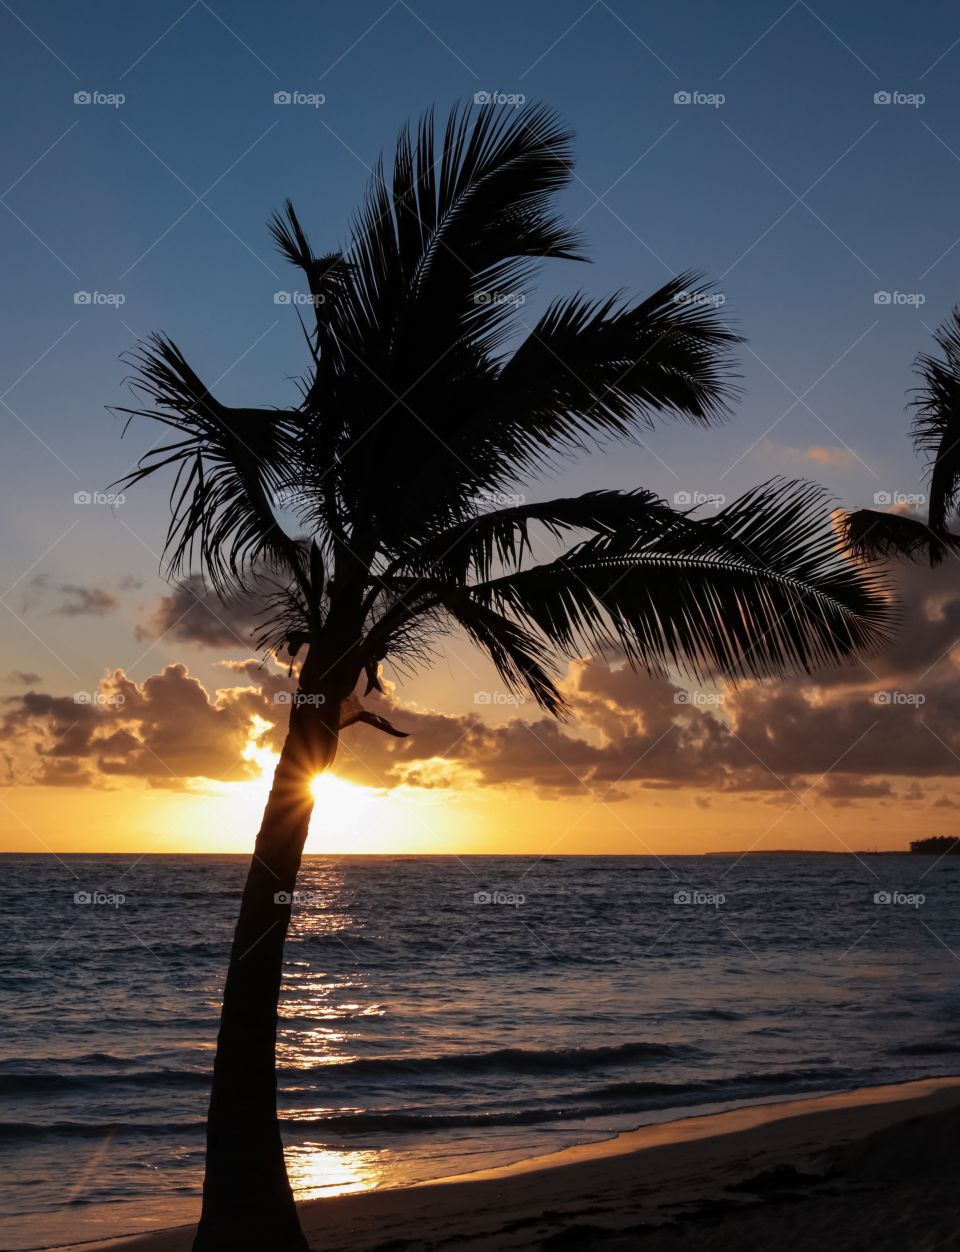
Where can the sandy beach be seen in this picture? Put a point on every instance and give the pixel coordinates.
(870, 1169)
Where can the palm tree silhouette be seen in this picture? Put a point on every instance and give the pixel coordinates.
(414, 423)
(936, 432)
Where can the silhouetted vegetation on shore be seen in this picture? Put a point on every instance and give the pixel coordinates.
(936, 845)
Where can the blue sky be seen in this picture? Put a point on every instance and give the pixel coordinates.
(797, 192)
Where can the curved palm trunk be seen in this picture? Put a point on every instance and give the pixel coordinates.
(248, 1205)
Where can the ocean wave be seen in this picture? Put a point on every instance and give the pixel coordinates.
(928, 1047)
(122, 1073)
(611, 1100)
(27, 1084)
(513, 1060)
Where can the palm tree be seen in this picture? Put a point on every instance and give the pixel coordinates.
(367, 516)
(936, 432)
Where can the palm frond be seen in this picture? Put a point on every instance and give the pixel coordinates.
(936, 425)
(589, 371)
(230, 465)
(517, 654)
(761, 589)
(470, 549)
(872, 535)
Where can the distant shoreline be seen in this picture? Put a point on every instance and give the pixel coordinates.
(532, 856)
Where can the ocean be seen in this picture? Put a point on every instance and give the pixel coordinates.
(445, 1014)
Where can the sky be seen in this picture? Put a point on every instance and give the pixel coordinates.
(806, 158)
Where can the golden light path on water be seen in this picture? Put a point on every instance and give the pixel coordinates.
(318, 1171)
(320, 1015)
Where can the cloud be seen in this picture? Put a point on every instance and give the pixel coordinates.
(166, 730)
(839, 458)
(191, 613)
(888, 729)
(23, 678)
(73, 599)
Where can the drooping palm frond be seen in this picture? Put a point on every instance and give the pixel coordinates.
(758, 590)
(469, 549)
(873, 535)
(936, 426)
(517, 654)
(231, 465)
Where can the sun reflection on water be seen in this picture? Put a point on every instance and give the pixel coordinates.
(316, 1170)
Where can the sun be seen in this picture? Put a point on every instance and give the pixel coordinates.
(345, 811)
(337, 799)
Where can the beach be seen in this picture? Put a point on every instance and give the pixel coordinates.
(869, 1169)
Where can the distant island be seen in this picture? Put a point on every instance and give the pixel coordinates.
(936, 845)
